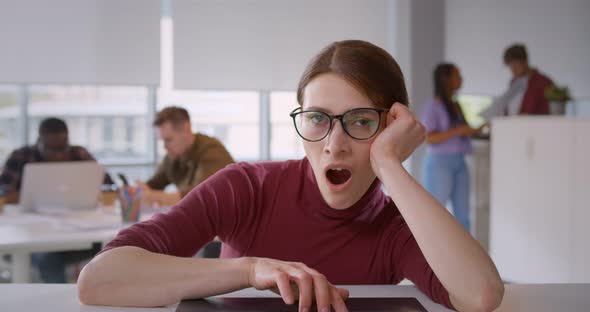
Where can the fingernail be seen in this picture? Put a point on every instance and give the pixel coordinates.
(325, 309)
(305, 310)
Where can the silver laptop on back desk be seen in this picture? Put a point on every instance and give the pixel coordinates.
(61, 186)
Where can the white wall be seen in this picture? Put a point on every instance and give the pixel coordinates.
(400, 41)
(80, 41)
(253, 44)
(556, 33)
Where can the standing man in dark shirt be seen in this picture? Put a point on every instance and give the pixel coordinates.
(531, 100)
(526, 92)
(52, 146)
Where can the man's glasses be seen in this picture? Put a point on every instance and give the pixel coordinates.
(358, 123)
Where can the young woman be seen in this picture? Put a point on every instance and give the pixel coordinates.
(300, 227)
(444, 171)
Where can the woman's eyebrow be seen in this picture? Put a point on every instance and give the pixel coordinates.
(315, 108)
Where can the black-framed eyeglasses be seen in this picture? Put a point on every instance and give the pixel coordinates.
(358, 123)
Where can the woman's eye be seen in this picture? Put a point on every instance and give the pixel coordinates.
(361, 122)
(317, 118)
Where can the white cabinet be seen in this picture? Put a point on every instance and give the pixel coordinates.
(538, 229)
(479, 170)
(581, 217)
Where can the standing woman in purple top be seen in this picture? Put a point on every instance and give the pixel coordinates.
(444, 171)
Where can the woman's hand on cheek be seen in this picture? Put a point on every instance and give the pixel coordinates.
(402, 134)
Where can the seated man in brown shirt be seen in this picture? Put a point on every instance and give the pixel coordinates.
(191, 158)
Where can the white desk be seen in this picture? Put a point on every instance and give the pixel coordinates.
(521, 298)
(23, 234)
(64, 297)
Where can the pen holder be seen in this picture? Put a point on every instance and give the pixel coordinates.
(108, 199)
(109, 193)
(130, 199)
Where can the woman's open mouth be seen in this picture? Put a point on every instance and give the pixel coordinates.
(338, 178)
(338, 175)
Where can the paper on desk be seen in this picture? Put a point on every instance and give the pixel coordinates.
(24, 219)
(91, 220)
(74, 220)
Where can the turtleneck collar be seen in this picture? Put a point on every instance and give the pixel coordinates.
(365, 206)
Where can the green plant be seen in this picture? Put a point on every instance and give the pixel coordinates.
(556, 93)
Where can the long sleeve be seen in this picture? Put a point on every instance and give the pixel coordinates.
(213, 159)
(408, 262)
(534, 101)
(10, 179)
(159, 180)
(215, 208)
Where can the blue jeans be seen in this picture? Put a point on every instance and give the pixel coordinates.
(446, 177)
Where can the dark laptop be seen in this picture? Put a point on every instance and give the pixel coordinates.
(277, 304)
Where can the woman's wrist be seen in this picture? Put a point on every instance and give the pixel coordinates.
(454, 132)
(246, 268)
(384, 166)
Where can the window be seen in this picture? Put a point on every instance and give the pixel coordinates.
(285, 143)
(233, 117)
(579, 107)
(111, 122)
(472, 105)
(11, 136)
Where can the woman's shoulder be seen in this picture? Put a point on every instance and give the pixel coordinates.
(434, 104)
(432, 109)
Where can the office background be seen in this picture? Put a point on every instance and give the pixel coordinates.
(108, 66)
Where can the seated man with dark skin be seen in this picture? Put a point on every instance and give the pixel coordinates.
(52, 146)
